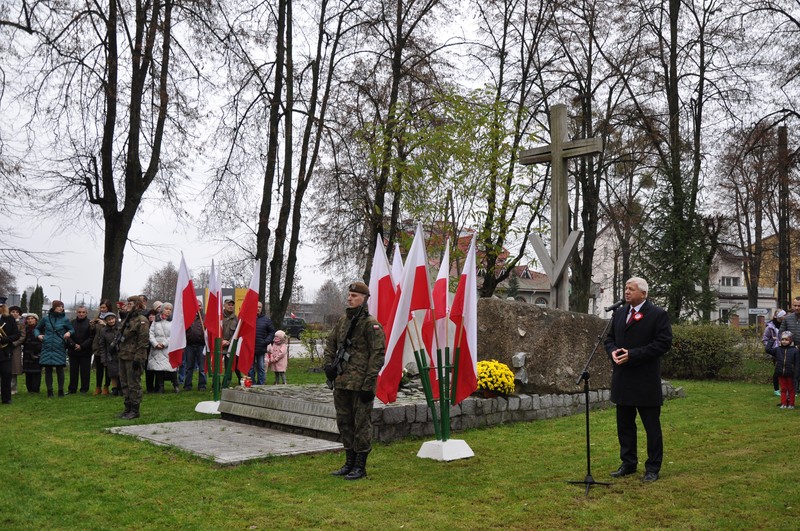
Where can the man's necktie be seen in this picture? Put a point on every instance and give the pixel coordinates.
(630, 315)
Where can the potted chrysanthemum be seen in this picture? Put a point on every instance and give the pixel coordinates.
(494, 378)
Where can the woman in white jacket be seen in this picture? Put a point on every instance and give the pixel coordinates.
(159, 354)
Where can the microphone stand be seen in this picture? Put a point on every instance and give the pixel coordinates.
(589, 480)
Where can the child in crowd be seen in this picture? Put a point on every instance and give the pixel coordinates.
(770, 340)
(787, 368)
(278, 356)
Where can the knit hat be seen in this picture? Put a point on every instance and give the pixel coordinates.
(103, 314)
(31, 314)
(157, 306)
(106, 315)
(56, 303)
(359, 287)
(785, 335)
(780, 314)
(280, 336)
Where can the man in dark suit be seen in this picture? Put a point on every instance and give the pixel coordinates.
(640, 334)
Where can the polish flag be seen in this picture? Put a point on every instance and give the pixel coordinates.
(381, 288)
(397, 266)
(412, 300)
(438, 316)
(213, 319)
(246, 328)
(464, 314)
(184, 311)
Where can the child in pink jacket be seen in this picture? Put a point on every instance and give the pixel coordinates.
(278, 356)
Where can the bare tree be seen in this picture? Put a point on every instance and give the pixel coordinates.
(161, 284)
(108, 87)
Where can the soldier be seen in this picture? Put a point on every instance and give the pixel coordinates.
(353, 357)
(134, 339)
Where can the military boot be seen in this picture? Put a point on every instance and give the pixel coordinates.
(350, 460)
(127, 411)
(133, 413)
(359, 467)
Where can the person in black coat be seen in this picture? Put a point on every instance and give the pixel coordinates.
(31, 350)
(9, 332)
(79, 347)
(265, 334)
(640, 335)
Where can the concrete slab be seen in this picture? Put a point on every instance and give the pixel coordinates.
(226, 442)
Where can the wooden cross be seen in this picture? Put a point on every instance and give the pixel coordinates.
(563, 243)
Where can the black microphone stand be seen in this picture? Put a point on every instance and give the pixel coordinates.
(589, 480)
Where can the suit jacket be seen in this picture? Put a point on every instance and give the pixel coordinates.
(638, 382)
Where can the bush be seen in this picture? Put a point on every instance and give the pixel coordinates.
(703, 352)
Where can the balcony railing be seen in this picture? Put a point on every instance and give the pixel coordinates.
(741, 292)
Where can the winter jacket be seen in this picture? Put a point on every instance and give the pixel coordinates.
(31, 351)
(366, 350)
(791, 322)
(771, 337)
(10, 334)
(103, 345)
(265, 333)
(787, 361)
(278, 356)
(83, 336)
(135, 335)
(229, 322)
(195, 336)
(159, 334)
(53, 326)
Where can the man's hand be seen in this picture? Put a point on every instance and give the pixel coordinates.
(620, 356)
(330, 373)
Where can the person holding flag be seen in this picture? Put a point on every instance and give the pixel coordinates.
(354, 354)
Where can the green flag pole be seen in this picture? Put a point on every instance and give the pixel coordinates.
(215, 368)
(226, 381)
(426, 386)
(445, 392)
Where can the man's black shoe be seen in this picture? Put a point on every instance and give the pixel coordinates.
(650, 477)
(623, 471)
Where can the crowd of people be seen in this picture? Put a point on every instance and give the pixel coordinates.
(121, 347)
(781, 340)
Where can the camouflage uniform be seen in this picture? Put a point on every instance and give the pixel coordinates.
(357, 382)
(136, 334)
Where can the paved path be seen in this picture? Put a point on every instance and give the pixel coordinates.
(226, 442)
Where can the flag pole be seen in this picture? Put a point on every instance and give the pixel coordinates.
(456, 360)
(215, 383)
(425, 375)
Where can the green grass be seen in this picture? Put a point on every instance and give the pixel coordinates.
(730, 462)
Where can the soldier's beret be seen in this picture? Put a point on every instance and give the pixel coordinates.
(358, 287)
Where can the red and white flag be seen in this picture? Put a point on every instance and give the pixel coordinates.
(437, 318)
(381, 288)
(464, 314)
(184, 311)
(412, 300)
(213, 319)
(246, 328)
(397, 266)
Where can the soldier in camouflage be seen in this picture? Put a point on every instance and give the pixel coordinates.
(132, 346)
(354, 383)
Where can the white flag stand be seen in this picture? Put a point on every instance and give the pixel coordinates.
(209, 406)
(448, 450)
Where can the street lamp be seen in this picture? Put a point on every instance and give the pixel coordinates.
(37, 277)
(75, 302)
(59, 291)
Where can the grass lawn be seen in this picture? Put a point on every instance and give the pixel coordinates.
(730, 462)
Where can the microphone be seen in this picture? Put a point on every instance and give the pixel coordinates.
(615, 306)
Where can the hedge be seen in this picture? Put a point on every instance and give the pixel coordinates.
(702, 352)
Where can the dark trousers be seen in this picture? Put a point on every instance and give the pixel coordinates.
(79, 365)
(5, 381)
(194, 359)
(626, 433)
(150, 380)
(33, 381)
(100, 371)
(166, 376)
(48, 378)
(354, 420)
